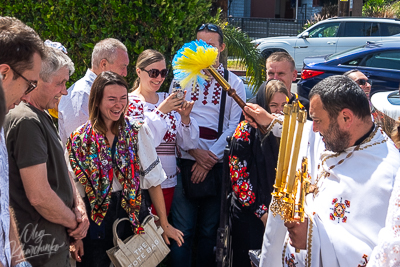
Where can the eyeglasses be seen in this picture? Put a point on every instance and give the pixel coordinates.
(211, 27)
(153, 73)
(32, 85)
(364, 82)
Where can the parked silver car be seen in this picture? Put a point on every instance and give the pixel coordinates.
(330, 36)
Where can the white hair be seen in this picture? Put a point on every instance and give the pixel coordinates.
(55, 60)
(106, 49)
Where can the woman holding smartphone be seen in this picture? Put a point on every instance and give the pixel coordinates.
(167, 115)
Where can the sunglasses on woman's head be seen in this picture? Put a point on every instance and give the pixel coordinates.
(363, 82)
(153, 73)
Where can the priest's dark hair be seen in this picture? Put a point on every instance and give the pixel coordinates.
(339, 92)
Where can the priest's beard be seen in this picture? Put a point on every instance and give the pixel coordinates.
(335, 139)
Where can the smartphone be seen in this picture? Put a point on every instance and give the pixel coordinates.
(176, 87)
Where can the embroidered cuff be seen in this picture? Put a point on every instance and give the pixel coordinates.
(150, 168)
(186, 125)
(160, 114)
(262, 209)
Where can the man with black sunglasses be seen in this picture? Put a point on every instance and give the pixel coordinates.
(361, 80)
(108, 55)
(204, 163)
(21, 56)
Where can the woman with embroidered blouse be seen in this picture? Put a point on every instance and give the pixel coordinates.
(252, 162)
(115, 160)
(167, 116)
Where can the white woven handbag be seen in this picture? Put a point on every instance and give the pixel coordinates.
(144, 250)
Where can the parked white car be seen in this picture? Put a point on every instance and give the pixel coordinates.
(331, 36)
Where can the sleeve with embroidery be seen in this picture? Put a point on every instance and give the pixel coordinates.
(155, 120)
(387, 252)
(152, 173)
(246, 183)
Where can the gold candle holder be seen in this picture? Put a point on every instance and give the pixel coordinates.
(282, 148)
(301, 119)
(289, 143)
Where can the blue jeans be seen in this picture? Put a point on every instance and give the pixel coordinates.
(186, 215)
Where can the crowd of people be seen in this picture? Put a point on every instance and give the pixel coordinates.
(121, 151)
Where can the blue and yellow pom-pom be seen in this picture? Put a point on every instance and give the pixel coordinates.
(190, 60)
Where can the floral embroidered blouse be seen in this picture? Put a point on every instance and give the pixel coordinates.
(252, 168)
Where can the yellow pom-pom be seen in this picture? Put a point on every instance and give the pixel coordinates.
(193, 58)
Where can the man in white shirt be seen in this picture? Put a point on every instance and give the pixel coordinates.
(187, 213)
(21, 56)
(73, 110)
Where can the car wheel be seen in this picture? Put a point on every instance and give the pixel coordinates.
(266, 53)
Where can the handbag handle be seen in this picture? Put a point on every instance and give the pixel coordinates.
(118, 242)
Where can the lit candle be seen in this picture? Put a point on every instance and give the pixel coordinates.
(289, 143)
(282, 147)
(301, 120)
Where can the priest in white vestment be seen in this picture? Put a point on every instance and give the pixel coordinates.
(352, 181)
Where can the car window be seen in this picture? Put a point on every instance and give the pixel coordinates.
(374, 29)
(353, 61)
(360, 29)
(346, 52)
(324, 30)
(384, 60)
(388, 29)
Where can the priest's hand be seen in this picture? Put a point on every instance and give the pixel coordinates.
(198, 173)
(205, 158)
(298, 233)
(253, 113)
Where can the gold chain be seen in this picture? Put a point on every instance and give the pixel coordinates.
(284, 251)
(309, 244)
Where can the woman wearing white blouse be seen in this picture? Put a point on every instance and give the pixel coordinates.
(167, 116)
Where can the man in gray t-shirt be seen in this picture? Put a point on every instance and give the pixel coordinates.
(46, 206)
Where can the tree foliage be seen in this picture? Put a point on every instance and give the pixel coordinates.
(239, 46)
(164, 25)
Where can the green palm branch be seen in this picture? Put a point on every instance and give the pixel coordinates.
(239, 46)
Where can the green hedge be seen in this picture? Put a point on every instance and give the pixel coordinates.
(164, 25)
